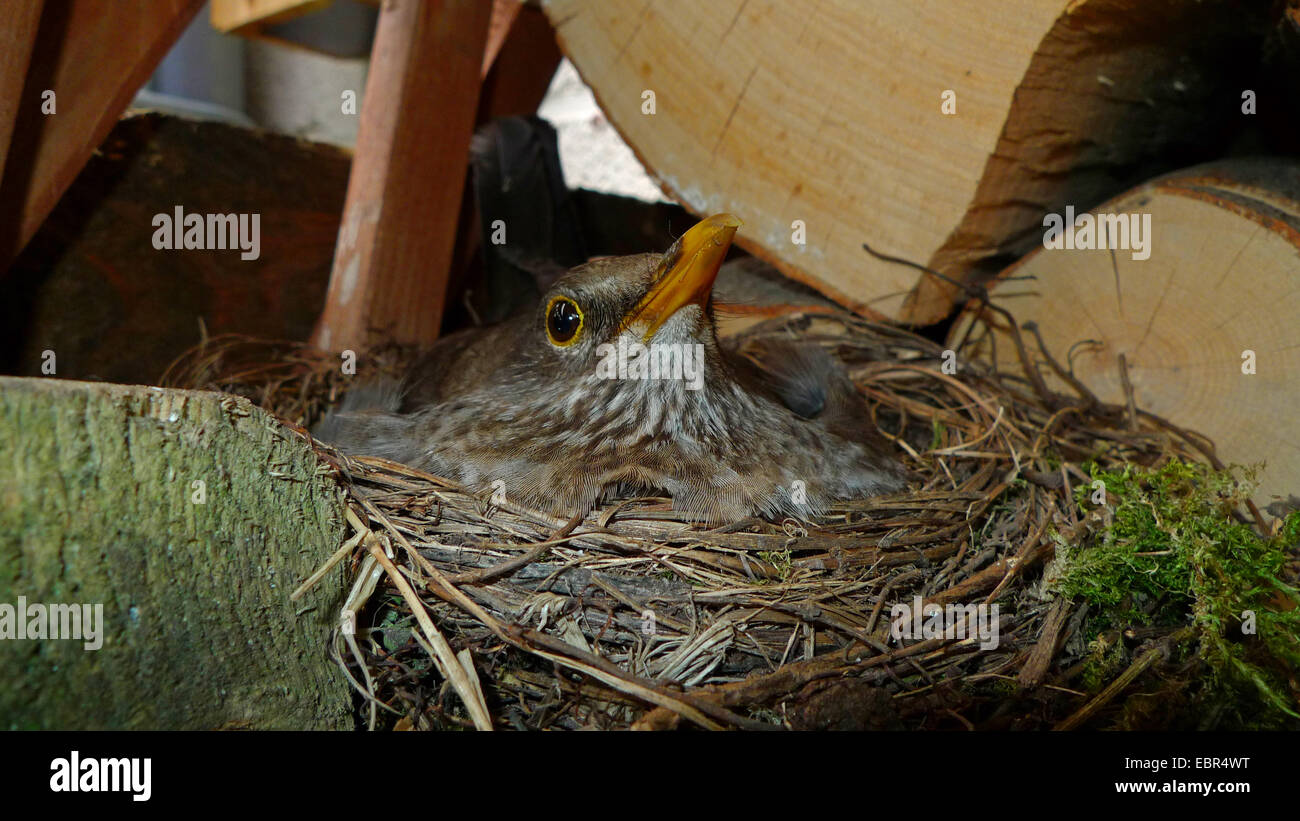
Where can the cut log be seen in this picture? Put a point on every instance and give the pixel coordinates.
(1206, 325)
(189, 517)
(831, 114)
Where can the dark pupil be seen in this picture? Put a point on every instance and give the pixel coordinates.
(563, 320)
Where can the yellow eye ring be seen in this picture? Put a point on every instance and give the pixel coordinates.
(564, 321)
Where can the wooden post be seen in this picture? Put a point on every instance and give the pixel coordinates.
(502, 22)
(519, 64)
(399, 223)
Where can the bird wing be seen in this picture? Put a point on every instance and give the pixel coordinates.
(809, 381)
(799, 376)
(458, 363)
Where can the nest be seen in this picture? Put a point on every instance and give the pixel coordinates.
(474, 613)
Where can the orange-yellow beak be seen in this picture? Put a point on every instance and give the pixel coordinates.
(686, 273)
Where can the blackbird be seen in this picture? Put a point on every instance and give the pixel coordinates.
(617, 383)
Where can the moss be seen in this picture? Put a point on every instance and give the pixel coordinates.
(766, 715)
(394, 629)
(1002, 688)
(781, 562)
(939, 433)
(1106, 659)
(1174, 555)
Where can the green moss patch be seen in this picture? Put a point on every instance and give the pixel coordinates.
(1175, 555)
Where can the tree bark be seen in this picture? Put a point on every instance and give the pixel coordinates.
(190, 517)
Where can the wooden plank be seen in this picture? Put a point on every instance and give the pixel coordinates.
(233, 15)
(517, 76)
(94, 56)
(522, 69)
(399, 224)
(504, 13)
(17, 35)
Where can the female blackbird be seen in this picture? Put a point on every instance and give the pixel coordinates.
(617, 382)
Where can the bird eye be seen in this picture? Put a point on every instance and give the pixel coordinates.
(563, 321)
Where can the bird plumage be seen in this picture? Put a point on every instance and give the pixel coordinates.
(772, 428)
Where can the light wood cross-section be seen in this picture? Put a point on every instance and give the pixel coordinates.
(1206, 325)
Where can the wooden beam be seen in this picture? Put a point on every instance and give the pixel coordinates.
(17, 35)
(234, 15)
(504, 13)
(519, 63)
(399, 224)
(522, 68)
(94, 56)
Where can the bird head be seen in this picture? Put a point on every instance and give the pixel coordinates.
(647, 298)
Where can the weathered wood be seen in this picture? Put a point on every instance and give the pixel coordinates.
(1222, 279)
(831, 113)
(94, 57)
(404, 195)
(91, 288)
(190, 517)
(17, 35)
